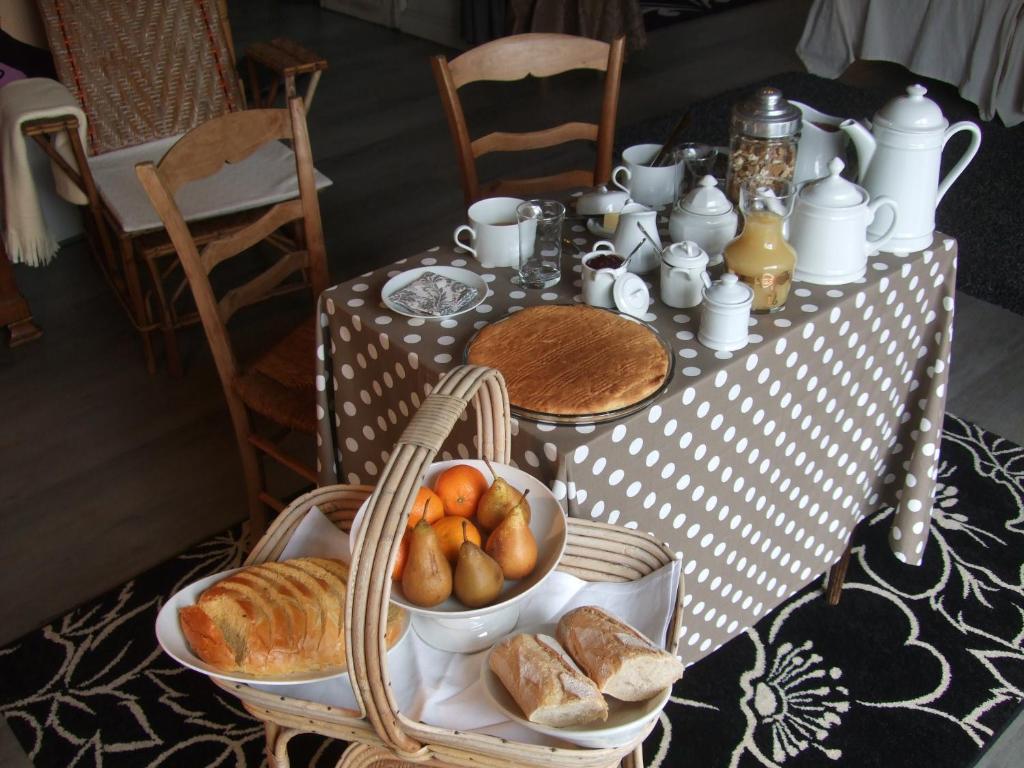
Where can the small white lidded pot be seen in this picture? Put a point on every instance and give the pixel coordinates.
(601, 268)
(607, 282)
(683, 267)
(725, 315)
(706, 217)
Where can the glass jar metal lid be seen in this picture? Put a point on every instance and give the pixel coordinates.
(766, 115)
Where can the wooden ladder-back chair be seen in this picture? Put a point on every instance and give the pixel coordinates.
(145, 72)
(280, 384)
(514, 58)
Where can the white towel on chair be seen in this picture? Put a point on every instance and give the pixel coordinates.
(25, 234)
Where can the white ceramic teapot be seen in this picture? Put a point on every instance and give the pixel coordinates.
(637, 234)
(828, 228)
(900, 158)
(683, 274)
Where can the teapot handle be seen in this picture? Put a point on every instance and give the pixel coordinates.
(972, 150)
(877, 243)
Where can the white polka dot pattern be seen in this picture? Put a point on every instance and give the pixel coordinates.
(755, 466)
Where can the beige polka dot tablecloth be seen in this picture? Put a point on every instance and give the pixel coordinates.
(754, 466)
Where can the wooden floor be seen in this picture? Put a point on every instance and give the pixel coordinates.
(108, 471)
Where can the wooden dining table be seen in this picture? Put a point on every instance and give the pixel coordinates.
(753, 466)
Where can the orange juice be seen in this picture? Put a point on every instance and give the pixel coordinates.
(763, 259)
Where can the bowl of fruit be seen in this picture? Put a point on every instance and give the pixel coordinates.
(480, 537)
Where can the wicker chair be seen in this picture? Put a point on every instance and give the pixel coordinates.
(514, 58)
(279, 385)
(123, 61)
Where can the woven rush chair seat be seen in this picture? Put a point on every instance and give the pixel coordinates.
(280, 383)
(378, 734)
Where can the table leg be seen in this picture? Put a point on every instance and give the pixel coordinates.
(14, 310)
(836, 577)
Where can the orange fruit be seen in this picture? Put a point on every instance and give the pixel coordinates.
(449, 535)
(403, 553)
(460, 488)
(427, 505)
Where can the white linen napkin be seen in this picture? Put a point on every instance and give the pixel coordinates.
(444, 689)
(26, 237)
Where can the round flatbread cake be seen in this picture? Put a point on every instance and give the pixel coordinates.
(572, 360)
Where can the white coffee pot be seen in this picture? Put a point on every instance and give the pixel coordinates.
(637, 236)
(829, 226)
(900, 158)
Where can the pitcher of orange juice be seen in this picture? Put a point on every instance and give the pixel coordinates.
(761, 257)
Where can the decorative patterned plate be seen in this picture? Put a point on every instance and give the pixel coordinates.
(464, 277)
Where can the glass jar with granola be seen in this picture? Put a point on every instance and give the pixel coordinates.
(763, 135)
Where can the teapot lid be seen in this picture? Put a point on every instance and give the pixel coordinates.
(631, 295)
(912, 112)
(728, 290)
(706, 198)
(685, 254)
(833, 191)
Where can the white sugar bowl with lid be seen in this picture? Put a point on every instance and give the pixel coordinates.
(683, 268)
(706, 217)
(829, 228)
(725, 315)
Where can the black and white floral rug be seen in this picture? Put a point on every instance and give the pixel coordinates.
(917, 666)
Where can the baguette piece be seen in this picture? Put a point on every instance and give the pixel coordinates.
(545, 683)
(619, 659)
(275, 619)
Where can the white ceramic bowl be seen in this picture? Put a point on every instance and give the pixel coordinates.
(626, 719)
(450, 626)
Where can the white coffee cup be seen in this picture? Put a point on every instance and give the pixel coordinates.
(493, 232)
(598, 281)
(683, 269)
(653, 186)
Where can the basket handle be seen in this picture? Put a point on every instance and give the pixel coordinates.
(378, 538)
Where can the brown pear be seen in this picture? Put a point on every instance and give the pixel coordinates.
(498, 501)
(512, 544)
(427, 576)
(478, 577)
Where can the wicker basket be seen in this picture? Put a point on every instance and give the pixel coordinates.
(381, 736)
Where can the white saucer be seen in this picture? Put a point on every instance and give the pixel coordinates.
(626, 719)
(396, 283)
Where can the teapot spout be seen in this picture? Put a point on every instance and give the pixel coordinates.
(863, 142)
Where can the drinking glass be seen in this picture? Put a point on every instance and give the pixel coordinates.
(540, 243)
(699, 160)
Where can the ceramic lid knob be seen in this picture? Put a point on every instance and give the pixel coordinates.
(729, 290)
(706, 198)
(912, 112)
(833, 191)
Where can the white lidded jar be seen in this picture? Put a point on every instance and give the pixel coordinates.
(683, 267)
(725, 313)
(706, 217)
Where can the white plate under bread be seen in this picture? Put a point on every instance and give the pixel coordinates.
(626, 719)
(172, 640)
